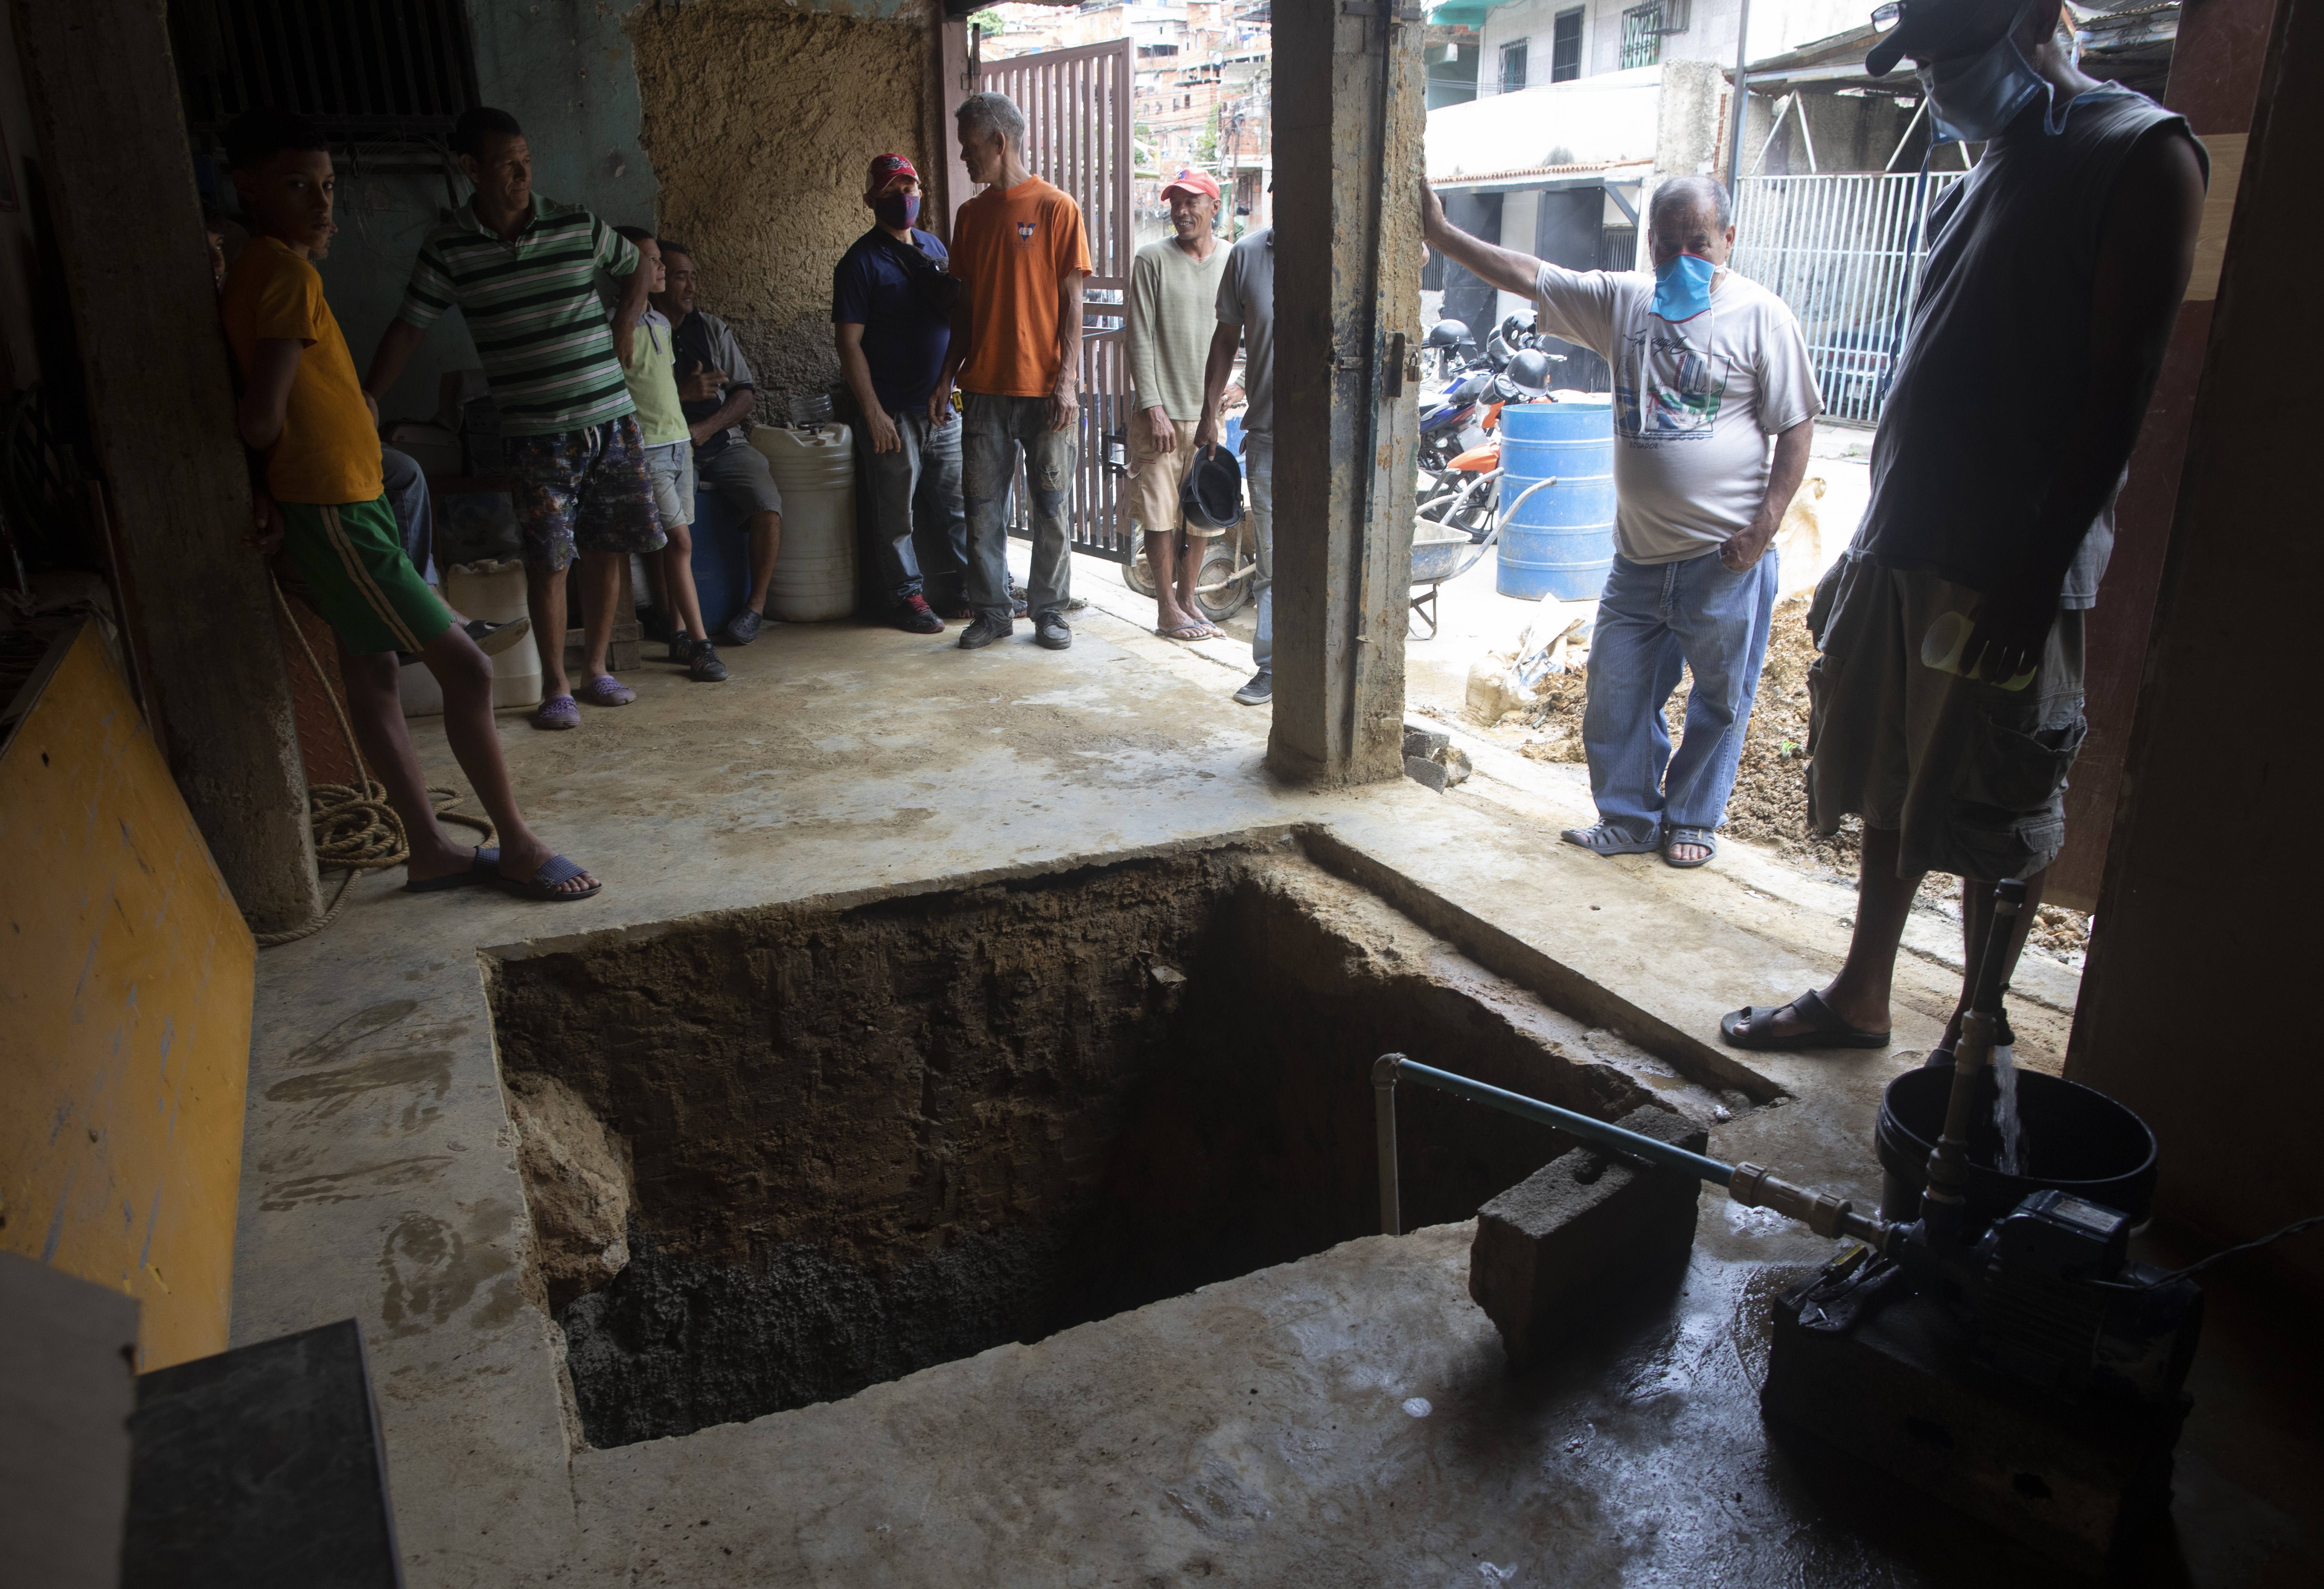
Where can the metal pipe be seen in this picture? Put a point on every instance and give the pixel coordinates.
(1566, 1120)
(1384, 1070)
(1749, 1184)
(1740, 98)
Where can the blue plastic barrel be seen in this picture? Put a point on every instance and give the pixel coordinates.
(1561, 541)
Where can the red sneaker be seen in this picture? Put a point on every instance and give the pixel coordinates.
(917, 618)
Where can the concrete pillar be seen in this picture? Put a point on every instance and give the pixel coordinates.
(128, 226)
(952, 69)
(1348, 124)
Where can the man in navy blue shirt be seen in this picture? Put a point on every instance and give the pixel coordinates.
(890, 311)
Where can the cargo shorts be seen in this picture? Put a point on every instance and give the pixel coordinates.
(585, 490)
(1971, 776)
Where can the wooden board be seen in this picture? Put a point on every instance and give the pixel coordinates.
(124, 1013)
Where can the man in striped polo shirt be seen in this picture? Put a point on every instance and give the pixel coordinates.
(523, 271)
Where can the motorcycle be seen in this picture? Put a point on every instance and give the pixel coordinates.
(1462, 491)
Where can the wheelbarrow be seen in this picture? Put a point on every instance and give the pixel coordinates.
(1442, 553)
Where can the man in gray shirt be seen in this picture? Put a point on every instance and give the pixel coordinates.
(1708, 368)
(1245, 311)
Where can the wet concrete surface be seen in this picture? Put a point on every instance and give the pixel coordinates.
(382, 1182)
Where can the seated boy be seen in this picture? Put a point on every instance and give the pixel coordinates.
(303, 409)
(649, 373)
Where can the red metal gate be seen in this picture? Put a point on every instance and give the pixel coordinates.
(1077, 105)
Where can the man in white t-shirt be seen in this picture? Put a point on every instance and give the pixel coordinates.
(1707, 367)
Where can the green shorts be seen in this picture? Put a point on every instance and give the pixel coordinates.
(352, 561)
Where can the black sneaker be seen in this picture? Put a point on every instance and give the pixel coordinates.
(682, 647)
(705, 668)
(1052, 631)
(743, 627)
(915, 616)
(1260, 690)
(984, 630)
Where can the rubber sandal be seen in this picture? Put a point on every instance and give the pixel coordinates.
(558, 711)
(1755, 1027)
(1189, 633)
(493, 639)
(1600, 839)
(1688, 835)
(542, 884)
(483, 868)
(606, 690)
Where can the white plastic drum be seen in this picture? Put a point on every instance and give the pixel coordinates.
(814, 572)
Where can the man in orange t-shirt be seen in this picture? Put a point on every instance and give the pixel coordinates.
(1020, 253)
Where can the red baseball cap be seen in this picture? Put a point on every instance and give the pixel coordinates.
(886, 171)
(1198, 184)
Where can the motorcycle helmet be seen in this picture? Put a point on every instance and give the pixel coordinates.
(1446, 334)
(1211, 493)
(1527, 377)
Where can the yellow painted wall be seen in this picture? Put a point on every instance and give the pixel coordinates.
(126, 983)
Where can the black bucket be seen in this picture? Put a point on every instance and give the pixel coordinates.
(2075, 1141)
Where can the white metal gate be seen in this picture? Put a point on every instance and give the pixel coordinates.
(1078, 109)
(1834, 248)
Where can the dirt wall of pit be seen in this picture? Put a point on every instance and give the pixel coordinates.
(759, 120)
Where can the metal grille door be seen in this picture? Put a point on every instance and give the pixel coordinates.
(1833, 248)
(1078, 110)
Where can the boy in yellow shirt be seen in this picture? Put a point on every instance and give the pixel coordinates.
(303, 409)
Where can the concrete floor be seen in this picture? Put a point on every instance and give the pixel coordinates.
(1263, 1430)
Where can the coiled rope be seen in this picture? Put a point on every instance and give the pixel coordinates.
(355, 829)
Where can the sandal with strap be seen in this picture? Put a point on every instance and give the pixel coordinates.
(1755, 1027)
(558, 711)
(1689, 835)
(1603, 838)
(483, 868)
(542, 884)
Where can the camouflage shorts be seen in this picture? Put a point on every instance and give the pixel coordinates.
(579, 491)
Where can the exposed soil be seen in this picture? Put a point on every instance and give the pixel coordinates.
(1769, 805)
(856, 1142)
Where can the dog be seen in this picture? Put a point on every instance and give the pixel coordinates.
(1799, 538)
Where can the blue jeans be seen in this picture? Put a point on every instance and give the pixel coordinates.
(1651, 619)
(1259, 474)
(993, 430)
(916, 498)
(415, 520)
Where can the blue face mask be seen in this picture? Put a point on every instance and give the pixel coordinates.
(1683, 288)
(897, 211)
(1972, 100)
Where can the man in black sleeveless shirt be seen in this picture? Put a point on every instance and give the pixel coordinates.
(1949, 693)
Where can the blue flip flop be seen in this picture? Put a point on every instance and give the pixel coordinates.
(542, 884)
(483, 868)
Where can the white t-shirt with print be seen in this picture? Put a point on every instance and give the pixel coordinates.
(1694, 403)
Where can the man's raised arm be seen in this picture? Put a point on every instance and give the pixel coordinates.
(1490, 264)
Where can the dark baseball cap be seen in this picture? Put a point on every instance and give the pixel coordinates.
(1918, 28)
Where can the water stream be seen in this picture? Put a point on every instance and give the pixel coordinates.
(2012, 1160)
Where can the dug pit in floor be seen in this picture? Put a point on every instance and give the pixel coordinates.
(774, 1157)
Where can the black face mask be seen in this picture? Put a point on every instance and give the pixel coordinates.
(897, 211)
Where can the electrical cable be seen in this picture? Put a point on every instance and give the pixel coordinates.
(2295, 1228)
(356, 830)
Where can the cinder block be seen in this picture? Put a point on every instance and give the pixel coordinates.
(1424, 770)
(1423, 742)
(1582, 1228)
